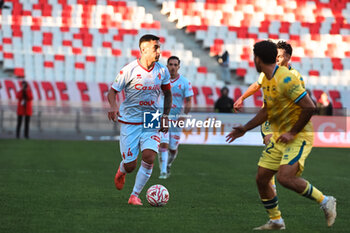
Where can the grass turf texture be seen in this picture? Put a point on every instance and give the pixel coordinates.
(67, 186)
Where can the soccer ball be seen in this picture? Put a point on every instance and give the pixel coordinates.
(157, 195)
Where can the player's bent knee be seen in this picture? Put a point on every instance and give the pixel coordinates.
(148, 155)
(164, 145)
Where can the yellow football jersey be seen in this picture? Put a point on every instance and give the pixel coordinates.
(281, 94)
(291, 69)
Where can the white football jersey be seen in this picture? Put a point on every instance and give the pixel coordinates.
(181, 88)
(142, 89)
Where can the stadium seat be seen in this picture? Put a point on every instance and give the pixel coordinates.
(87, 40)
(314, 28)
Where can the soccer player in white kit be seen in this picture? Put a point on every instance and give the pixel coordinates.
(142, 80)
(182, 92)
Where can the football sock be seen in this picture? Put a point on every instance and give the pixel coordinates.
(142, 177)
(121, 167)
(271, 206)
(164, 159)
(313, 193)
(171, 158)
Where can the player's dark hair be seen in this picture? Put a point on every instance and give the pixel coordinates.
(284, 45)
(147, 37)
(266, 50)
(174, 57)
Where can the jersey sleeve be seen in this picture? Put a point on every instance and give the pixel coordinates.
(166, 77)
(292, 88)
(120, 81)
(296, 73)
(260, 79)
(188, 89)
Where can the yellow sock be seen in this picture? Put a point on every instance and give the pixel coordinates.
(271, 206)
(312, 193)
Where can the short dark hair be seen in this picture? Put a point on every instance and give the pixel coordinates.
(284, 45)
(147, 37)
(173, 57)
(266, 50)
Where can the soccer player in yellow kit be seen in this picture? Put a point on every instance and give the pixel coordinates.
(284, 54)
(288, 108)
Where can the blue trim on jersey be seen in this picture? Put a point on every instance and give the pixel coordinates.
(261, 131)
(274, 71)
(299, 154)
(300, 97)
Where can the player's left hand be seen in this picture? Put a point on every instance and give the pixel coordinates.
(238, 104)
(237, 132)
(285, 138)
(164, 124)
(267, 139)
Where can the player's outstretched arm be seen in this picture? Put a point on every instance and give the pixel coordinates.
(250, 91)
(308, 109)
(240, 130)
(167, 106)
(114, 109)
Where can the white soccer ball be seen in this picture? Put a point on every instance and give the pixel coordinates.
(157, 195)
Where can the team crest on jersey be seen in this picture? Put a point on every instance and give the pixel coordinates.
(138, 76)
(180, 86)
(159, 76)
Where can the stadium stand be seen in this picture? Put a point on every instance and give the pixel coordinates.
(319, 31)
(83, 40)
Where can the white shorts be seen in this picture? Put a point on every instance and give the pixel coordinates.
(135, 137)
(172, 137)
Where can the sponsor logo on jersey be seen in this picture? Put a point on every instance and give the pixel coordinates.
(142, 87)
(159, 76)
(138, 76)
(146, 103)
(177, 94)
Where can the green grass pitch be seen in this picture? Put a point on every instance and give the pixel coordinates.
(67, 186)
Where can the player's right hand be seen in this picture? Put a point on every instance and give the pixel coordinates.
(238, 104)
(112, 115)
(237, 132)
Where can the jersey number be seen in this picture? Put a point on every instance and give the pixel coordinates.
(269, 148)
